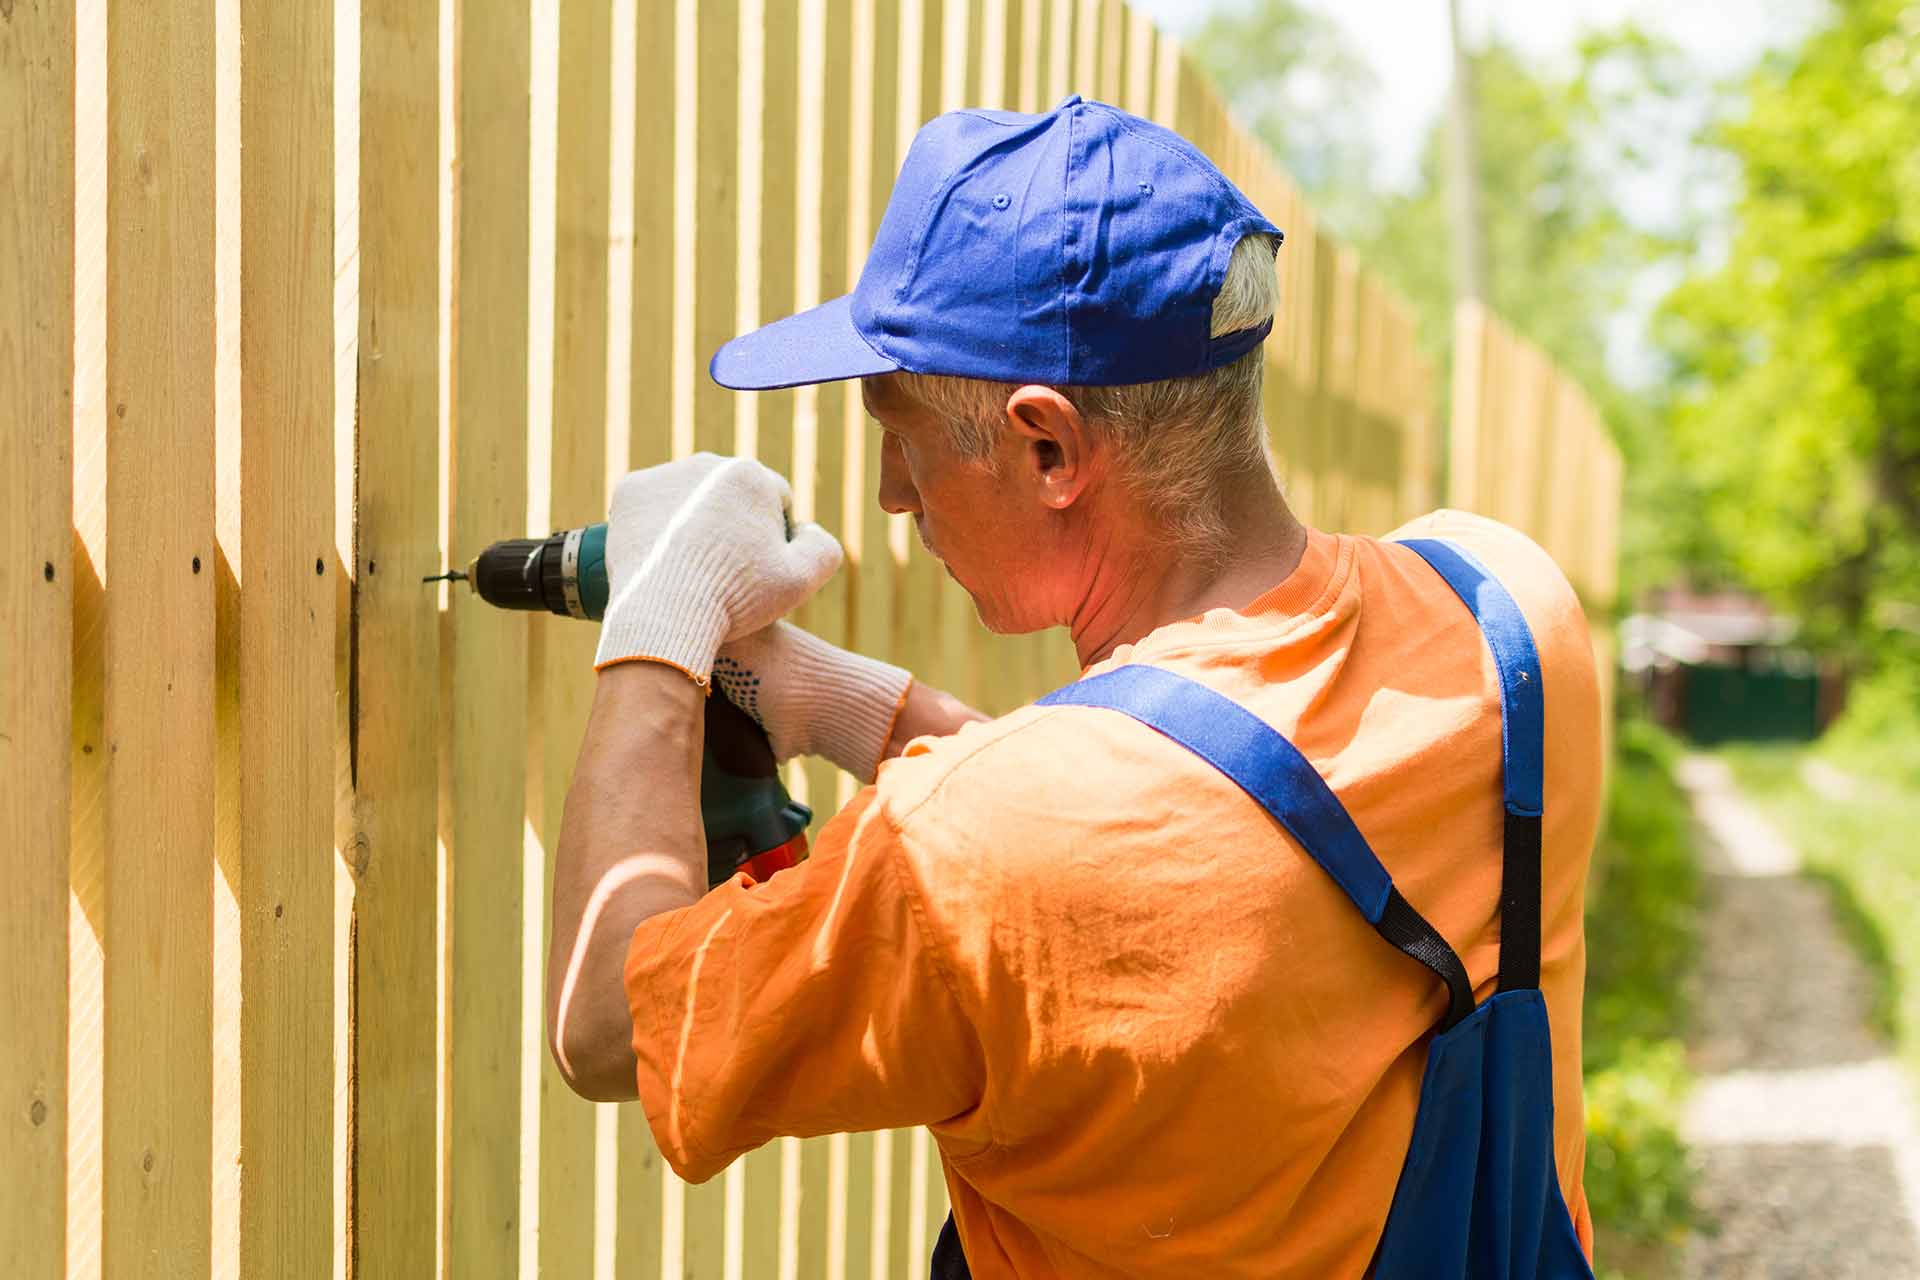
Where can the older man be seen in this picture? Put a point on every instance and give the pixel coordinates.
(1143, 1019)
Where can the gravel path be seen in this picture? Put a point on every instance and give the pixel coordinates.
(1807, 1131)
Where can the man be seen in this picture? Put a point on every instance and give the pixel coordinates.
(1149, 1034)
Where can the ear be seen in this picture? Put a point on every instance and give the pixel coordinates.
(1056, 448)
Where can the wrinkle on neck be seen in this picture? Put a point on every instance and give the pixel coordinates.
(1134, 585)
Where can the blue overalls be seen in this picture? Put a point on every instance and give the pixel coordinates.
(1478, 1196)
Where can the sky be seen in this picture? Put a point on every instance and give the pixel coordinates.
(1407, 43)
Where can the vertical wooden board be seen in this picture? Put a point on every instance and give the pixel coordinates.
(1463, 419)
(861, 1183)
(889, 76)
(395, 689)
(487, 744)
(973, 94)
(1086, 49)
(36, 615)
(561, 650)
(1552, 479)
(1059, 46)
(640, 1170)
(1496, 419)
(639, 1177)
(159, 642)
(1137, 93)
(807, 1216)
(715, 102)
(656, 95)
(1113, 51)
(1347, 414)
(900, 1259)
(1026, 36)
(1313, 483)
(1166, 81)
(287, 605)
(779, 73)
(1528, 424)
(934, 1206)
(999, 67)
(825, 196)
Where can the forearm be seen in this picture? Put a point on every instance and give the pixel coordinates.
(630, 847)
(927, 712)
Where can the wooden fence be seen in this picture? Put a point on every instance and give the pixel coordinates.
(302, 302)
(1527, 445)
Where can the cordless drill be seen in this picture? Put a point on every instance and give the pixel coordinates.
(752, 824)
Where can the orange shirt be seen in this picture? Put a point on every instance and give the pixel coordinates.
(1150, 1036)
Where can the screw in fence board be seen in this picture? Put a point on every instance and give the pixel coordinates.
(159, 699)
(398, 655)
(37, 63)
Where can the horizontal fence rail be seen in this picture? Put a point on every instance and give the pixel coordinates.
(306, 301)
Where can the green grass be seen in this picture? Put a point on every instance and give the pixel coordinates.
(1865, 851)
(1642, 927)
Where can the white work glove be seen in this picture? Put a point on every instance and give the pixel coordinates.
(698, 553)
(813, 698)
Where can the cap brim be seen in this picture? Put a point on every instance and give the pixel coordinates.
(818, 345)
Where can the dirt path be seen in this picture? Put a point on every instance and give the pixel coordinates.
(1807, 1131)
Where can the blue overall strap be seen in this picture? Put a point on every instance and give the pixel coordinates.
(1522, 750)
(1272, 771)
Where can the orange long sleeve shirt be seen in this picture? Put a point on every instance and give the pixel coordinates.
(1150, 1036)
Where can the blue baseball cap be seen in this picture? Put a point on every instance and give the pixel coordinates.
(1082, 247)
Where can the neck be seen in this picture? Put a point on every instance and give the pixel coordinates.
(1136, 584)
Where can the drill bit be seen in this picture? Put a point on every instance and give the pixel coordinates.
(451, 575)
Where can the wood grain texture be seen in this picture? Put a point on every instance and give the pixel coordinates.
(36, 616)
(561, 649)
(396, 686)
(159, 664)
(488, 720)
(287, 603)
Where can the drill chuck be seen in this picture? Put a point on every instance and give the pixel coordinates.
(752, 824)
(563, 573)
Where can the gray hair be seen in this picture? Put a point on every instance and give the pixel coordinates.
(1180, 441)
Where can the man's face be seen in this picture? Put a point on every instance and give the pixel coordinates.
(974, 515)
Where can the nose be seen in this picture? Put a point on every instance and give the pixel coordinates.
(897, 493)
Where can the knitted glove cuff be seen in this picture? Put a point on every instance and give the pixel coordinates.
(675, 614)
(821, 699)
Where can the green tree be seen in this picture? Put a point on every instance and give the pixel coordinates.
(1796, 342)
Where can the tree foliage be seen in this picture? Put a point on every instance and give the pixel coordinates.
(1797, 353)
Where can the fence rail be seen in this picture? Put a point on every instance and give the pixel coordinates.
(303, 301)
